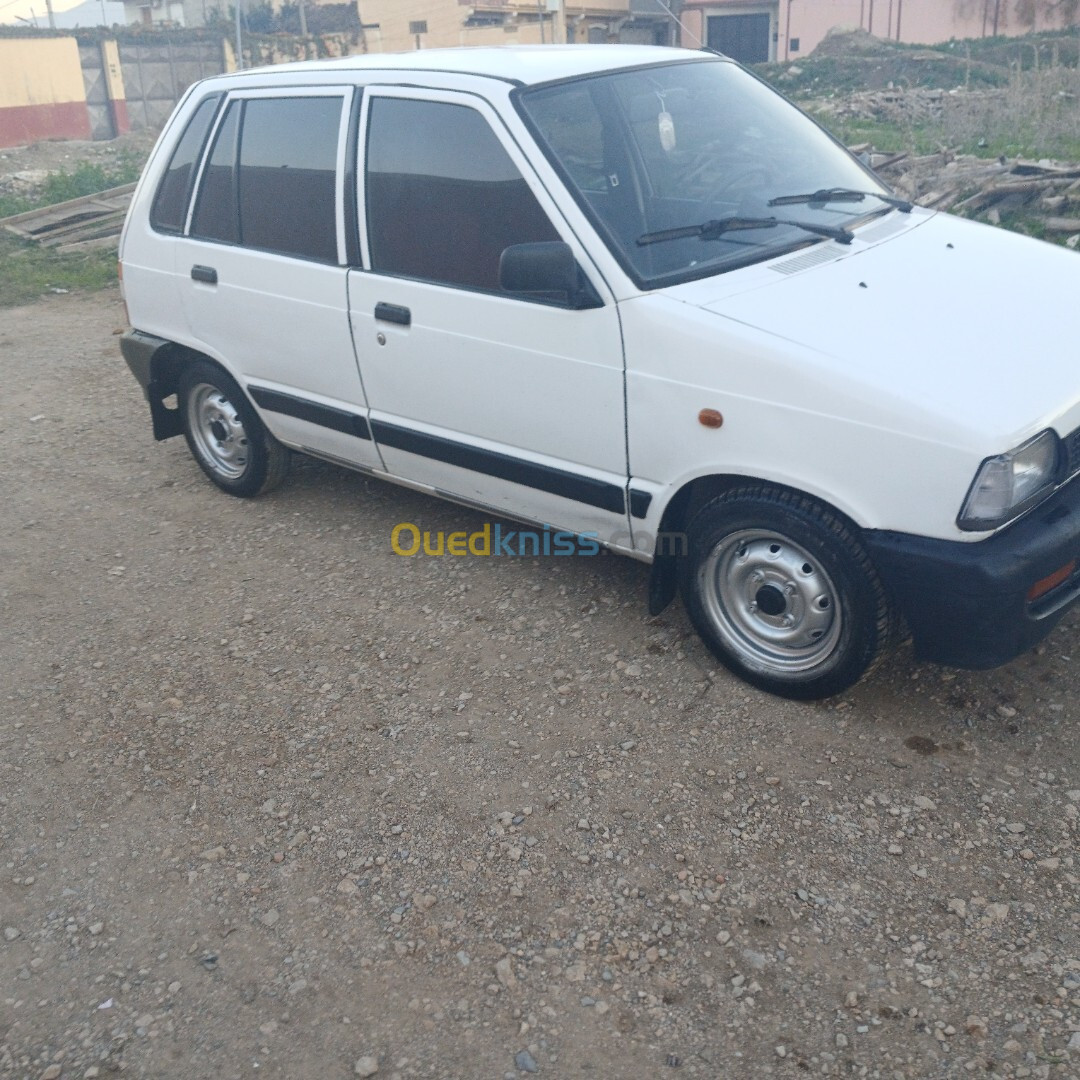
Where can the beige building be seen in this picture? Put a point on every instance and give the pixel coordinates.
(402, 25)
(753, 31)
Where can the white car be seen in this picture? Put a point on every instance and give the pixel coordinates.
(634, 295)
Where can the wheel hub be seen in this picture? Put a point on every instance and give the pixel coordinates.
(217, 431)
(771, 601)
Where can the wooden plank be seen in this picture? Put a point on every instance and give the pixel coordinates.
(1046, 169)
(70, 204)
(43, 224)
(112, 222)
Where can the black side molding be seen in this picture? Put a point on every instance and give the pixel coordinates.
(393, 313)
(312, 411)
(568, 485)
(639, 503)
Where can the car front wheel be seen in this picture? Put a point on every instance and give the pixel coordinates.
(780, 589)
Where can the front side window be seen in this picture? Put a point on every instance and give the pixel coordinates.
(671, 147)
(270, 179)
(443, 197)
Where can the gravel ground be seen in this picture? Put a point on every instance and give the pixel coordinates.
(275, 801)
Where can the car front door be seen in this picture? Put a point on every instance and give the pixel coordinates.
(513, 401)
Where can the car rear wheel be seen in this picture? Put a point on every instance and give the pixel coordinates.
(780, 589)
(226, 436)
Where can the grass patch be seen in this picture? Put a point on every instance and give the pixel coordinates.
(928, 138)
(29, 271)
(87, 178)
(889, 138)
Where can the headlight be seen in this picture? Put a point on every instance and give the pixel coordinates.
(1007, 485)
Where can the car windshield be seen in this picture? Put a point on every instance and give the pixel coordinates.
(676, 146)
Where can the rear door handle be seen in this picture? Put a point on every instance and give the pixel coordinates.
(393, 313)
(204, 273)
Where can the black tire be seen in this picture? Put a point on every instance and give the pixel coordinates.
(781, 590)
(226, 436)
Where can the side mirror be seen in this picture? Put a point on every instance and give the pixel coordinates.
(548, 267)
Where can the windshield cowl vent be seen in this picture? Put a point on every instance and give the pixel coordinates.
(817, 255)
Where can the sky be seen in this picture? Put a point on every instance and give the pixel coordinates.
(13, 11)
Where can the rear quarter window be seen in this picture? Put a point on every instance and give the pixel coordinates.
(169, 210)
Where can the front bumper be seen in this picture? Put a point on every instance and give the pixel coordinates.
(967, 604)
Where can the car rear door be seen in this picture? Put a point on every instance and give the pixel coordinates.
(262, 266)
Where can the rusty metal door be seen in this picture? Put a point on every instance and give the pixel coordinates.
(157, 73)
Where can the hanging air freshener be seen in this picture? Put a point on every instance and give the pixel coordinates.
(667, 126)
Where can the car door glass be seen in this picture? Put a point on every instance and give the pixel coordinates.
(443, 197)
(270, 178)
(288, 162)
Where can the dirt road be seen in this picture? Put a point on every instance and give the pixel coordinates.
(276, 801)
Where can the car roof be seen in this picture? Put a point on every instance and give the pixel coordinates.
(523, 64)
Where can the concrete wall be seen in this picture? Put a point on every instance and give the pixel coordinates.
(915, 21)
(41, 91)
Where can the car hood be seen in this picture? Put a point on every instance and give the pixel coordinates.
(972, 331)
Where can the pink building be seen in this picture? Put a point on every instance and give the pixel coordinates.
(754, 32)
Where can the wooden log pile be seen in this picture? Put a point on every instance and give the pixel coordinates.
(1046, 194)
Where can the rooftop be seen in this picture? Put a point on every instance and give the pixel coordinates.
(527, 64)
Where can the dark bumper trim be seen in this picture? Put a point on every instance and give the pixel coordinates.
(140, 351)
(966, 603)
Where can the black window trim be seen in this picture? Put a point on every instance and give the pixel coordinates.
(342, 92)
(369, 92)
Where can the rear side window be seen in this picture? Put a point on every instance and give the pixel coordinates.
(443, 196)
(216, 216)
(269, 182)
(288, 162)
(171, 202)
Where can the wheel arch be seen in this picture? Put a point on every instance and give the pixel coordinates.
(670, 542)
(166, 367)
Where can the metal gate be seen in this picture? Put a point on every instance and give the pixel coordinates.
(97, 92)
(156, 74)
(742, 37)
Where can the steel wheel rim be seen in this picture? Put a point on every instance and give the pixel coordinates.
(218, 432)
(771, 601)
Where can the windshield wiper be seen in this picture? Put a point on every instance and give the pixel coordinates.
(713, 230)
(837, 194)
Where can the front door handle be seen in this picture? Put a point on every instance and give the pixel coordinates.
(204, 273)
(393, 313)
